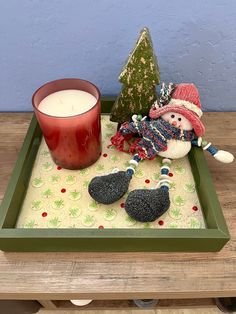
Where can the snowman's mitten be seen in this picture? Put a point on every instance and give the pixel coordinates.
(109, 188)
(219, 155)
(147, 205)
(224, 156)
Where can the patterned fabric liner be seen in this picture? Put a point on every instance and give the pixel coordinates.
(58, 198)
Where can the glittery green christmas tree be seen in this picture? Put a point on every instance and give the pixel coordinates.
(139, 77)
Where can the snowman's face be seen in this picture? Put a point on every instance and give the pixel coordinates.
(177, 120)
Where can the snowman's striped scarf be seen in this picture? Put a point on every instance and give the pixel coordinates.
(154, 135)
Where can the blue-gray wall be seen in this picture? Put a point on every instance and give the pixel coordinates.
(42, 40)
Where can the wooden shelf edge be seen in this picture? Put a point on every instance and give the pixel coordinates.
(129, 304)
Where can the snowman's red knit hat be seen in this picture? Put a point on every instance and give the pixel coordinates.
(186, 101)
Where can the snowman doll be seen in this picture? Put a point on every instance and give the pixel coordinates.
(172, 127)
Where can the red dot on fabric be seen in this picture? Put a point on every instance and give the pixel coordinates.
(160, 222)
(63, 190)
(195, 208)
(59, 168)
(122, 205)
(104, 155)
(147, 181)
(100, 227)
(170, 174)
(44, 214)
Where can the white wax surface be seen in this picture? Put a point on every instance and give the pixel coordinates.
(67, 103)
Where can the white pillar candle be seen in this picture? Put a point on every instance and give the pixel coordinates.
(69, 118)
(67, 103)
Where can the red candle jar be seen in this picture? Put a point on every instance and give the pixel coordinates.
(68, 112)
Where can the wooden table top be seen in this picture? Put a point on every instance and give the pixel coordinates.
(62, 276)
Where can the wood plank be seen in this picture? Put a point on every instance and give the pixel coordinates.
(124, 275)
(129, 304)
(51, 276)
(48, 304)
(135, 311)
(13, 127)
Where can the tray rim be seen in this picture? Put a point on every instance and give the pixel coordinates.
(213, 238)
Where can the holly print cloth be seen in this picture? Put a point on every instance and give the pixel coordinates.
(58, 198)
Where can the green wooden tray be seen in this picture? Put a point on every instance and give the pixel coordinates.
(210, 239)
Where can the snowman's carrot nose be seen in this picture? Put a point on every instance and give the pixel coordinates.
(174, 123)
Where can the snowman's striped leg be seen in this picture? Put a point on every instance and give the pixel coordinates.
(164, 182)
(149, 204)
(133, 164)
(107, 189)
